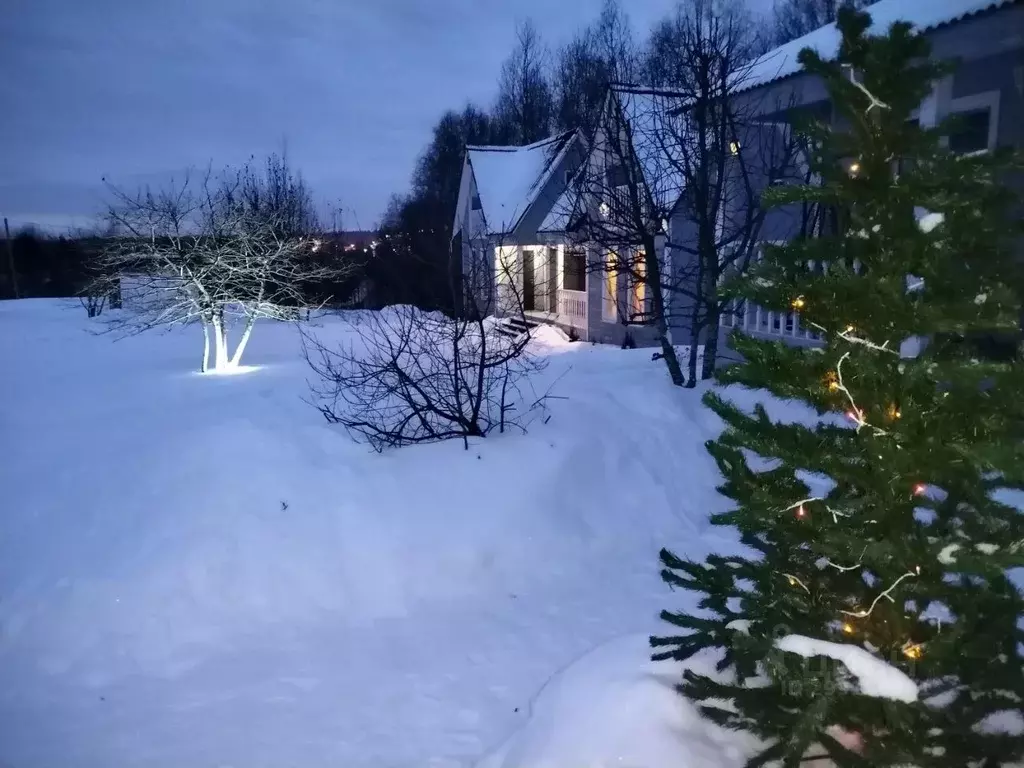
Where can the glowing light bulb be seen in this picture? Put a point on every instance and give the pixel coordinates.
(801, 512)
(848, 628)
(798, 302)
(912, 651)
(919, 489)
(854, 168)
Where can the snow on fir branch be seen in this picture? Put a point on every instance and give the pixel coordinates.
(875, 677)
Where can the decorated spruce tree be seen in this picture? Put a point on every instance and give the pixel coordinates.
(874, 620)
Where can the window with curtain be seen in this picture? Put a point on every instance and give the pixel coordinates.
(638, 289)
(611, 287)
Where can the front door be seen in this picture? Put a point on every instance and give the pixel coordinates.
(529, 282)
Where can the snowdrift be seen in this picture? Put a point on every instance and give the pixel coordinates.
(200, 570)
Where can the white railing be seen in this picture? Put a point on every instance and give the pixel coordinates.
(572, 304)
(754, 319)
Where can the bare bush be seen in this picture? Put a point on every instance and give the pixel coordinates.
(415, 377)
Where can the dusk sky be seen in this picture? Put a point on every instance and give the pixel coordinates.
(137, 90)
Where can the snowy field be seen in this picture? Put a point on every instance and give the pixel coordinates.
(199, 571)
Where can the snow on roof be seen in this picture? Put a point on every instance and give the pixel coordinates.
(650, 113)
(508, 179)
(923, 14)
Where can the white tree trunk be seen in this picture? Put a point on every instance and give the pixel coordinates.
(206, 347)
(220, 338)
(237, 358)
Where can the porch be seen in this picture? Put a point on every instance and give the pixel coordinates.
(547, 283)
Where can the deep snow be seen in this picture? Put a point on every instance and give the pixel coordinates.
(199, 571)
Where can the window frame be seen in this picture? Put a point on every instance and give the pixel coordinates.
(977, 102)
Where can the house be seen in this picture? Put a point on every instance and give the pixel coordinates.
(524, 213)
(986, 89)
(515, 254)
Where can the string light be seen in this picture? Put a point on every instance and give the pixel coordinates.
(863, 614)
(795, 582)
(798, 302)
(832, 381)
(912, 651)
(894, 412)
(920, 489)
(801, 511)
(854, 168)
(847, 627)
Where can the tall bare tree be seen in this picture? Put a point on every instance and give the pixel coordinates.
(726, 151)
(795, 18)
(525, 104)
(599, 55)
(681, 172)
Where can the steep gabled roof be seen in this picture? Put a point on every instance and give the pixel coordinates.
(923, 14)
(653, 117)
(508, 179)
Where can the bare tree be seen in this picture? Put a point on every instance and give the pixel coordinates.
(279, 195)
(796, 18)
(205, 251)
(601, 54)
(525, 104)
(415, 376)
(680, 175)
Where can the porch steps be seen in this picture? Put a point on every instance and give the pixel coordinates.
(514, 327)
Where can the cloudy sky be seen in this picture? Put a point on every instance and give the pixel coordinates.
(137, 90)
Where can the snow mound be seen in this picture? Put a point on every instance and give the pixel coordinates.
(616, 707)
(549, 337)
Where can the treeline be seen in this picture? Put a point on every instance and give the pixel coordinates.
(541, 91)
(37, 265)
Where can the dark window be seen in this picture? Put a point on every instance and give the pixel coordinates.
(477, 205)
(906, 164)
(970, 131)
(574, 270)
(616, 176)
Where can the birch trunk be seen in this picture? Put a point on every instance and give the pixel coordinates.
(220, 359)
(237, 358)
(206, 348)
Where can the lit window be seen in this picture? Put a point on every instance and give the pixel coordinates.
(611, 285)
(638, 290)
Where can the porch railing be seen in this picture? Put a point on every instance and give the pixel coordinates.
(572, 304)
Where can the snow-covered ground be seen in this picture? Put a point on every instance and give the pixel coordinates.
(199, 571)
